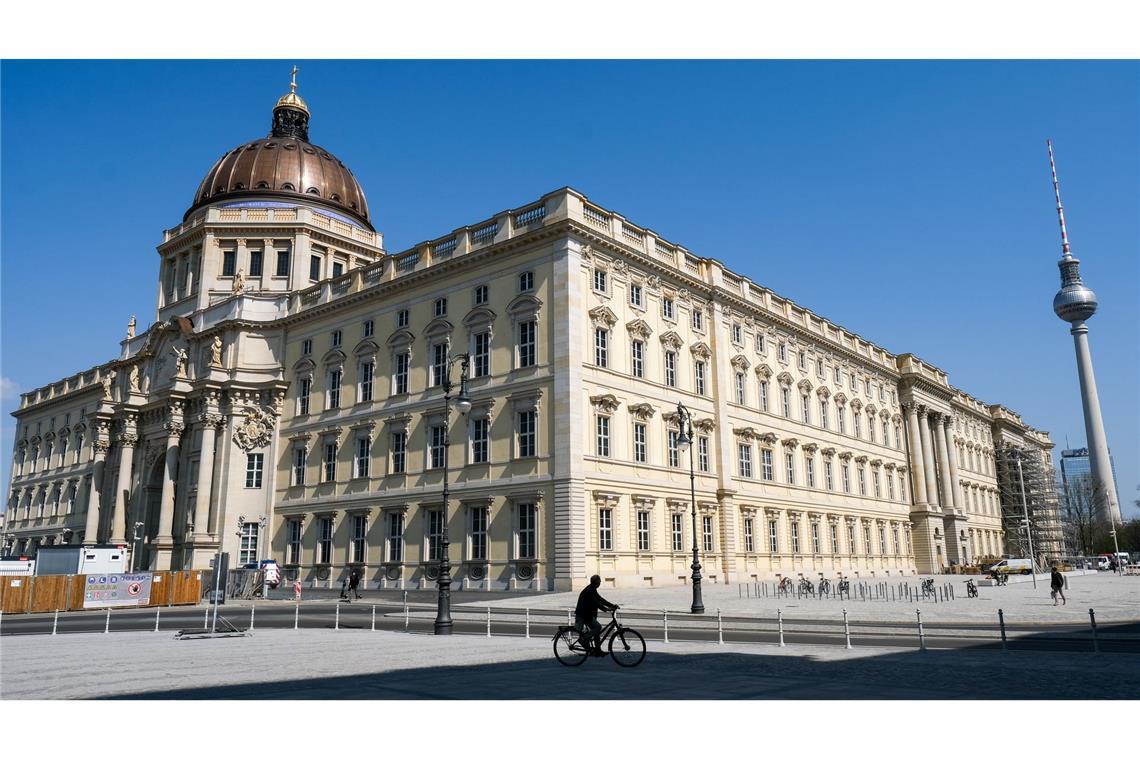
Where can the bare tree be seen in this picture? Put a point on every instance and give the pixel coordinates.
(1079, 499)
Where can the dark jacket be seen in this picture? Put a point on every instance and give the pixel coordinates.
(1056, 580)
(354, 579)
(589, 602)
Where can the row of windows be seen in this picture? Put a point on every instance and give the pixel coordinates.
(62, 503)
(53, 456)
(525, 537)
(639, 449)
(524, 439)
(878, 430)
(810, 479)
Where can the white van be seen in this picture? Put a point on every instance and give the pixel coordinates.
(1019, 566)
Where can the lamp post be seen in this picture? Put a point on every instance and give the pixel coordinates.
(443, 625)
(136, 537)
(1025, 521)
(685, 441)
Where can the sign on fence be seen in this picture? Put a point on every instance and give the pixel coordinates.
(117, 590)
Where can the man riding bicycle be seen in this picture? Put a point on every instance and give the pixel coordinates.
(586, 613)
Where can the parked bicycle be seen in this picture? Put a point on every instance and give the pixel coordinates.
(824, 587)
(786, 586)
(971, 588)
(806, 586)
(844, 586)
(625, 645)
(928, 586)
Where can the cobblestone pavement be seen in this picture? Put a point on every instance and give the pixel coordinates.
(323, 664)
(1115, 599)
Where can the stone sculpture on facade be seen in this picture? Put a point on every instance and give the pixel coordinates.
(131, 324)
(257, 430)
(181, 356)
(216, 352)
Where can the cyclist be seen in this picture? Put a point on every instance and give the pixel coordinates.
(586, 613)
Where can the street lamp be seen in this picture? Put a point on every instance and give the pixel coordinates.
(135, 544)
(443, 625)
(685, 441)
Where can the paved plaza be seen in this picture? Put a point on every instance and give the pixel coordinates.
(325, 664)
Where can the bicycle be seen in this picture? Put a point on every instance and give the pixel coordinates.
(626, 646)
(928, 587)
(806, 586)
(844, 587)
(786, 586)
(824, 587)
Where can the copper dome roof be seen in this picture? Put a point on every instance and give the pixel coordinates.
(284, 166)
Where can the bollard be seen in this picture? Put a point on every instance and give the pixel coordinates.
(374, 617)
(780, 623)
(739, 592)
(846, 629)
(488, 621)
(54, 622)
(251, 609)
(206, 619)
(1, 618)
(951, 592)
(336, 621)
(1001, 623)
(568, 621)
(405, 611)
(107, 628)
(921, 634)
(719, 628)
(156, 611)
(1092, 619)
(939, 595)
(528, 622)
(296, 617)
(665, 619)
(405, 598)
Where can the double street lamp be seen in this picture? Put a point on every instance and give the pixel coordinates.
(443, 624)
(685, 441)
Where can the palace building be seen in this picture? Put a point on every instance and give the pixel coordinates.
(287, 401)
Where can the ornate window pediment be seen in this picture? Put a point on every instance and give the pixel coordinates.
(700, 350)
(672, 340)
(805, 386)
(480, 316)
(704, 425)
(763, 371)
(524, 401)
(524, 306)
(642, 411)
(841, 398)
(769, 438)
(856, 404)
(400, 423)
(740, 362)
(365, 348)
(401, 338)
(602, 316)
(846, 456)
(822, 391)
(790, 443)
(861, 459)
(747, 433)
(785, 379)
(438, 328)
(639, 328)
(828, 451)
(334, 356)
(811, 448)
(606, 402)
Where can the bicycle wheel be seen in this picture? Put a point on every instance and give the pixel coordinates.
(567, 649)
(627, 647)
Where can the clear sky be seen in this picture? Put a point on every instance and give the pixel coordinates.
(907, 201)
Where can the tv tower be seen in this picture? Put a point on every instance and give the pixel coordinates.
(1075, 303)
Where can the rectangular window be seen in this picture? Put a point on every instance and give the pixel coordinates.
(637, 358)
(367, 371)
(434, 534)
(334, 389)
(671, 369)
(247, 552)
(783, 352)
(845, 471)
(740, 387)
(678, 525)
(806, 409)
(254, 464)
(795, 528)
(282, 264)
(867, 539)
(402, 318)
(314, 268)
(759, 343)
(871, 427)
(699, 374)
(834, 529)
(229, 264)
(737, 334)
(708, 532)
(703, 453)
(763, 395)
(481, 295)
(336, 338)
(401, 376)
(299, 466)
(438, 363)
(338, 269)
(882, 541)
(841, 418)
(886, 430)
(439, 307)
(528, 531)
(823, 421)
(815, 549)
(667, 308)
(745, 451)
(527, 443)
(809, 469)
(605, 530)
(294, 555)
(363, 456)
(527, 343)
(858, 425)
(601, 347)
(895, 536)
(526, 282)
(437, 434)
(643, 531)
(828, 476)
(790, 467)
(749, 546)
(479, 435)
(671, 448)
(481, 356)
(600, 280)
(803, 360)
(330, 462)
(307, 347)
(395, 537)
(479, 533)
(639, 454)
(359, 531)
(766, 464)
(786, 399)
(851, 548)
(698, 319)
(875, 483)
(255, 263)
(324, 540)
(773, 536)
(368, 328)
(399, 451)
(635, 295)
(602, 435)
(862, 481)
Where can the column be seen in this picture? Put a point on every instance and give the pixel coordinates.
(947, 490)
(928, 459)
(99, 446)
(952, 454)
(210, 423)
(918, 488)
(127, 442)
(164, 541)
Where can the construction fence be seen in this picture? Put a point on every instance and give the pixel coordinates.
(48, 593)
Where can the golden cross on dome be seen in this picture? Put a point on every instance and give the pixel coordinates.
(293, 83)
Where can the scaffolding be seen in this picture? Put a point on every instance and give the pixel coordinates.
(1029, 512)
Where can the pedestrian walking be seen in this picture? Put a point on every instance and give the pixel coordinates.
(297, 590)
(344, 590)
(354, 581)
(1057, 584)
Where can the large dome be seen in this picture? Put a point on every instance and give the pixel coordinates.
(284, 166)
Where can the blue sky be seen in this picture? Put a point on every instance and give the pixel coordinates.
(908, 201)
